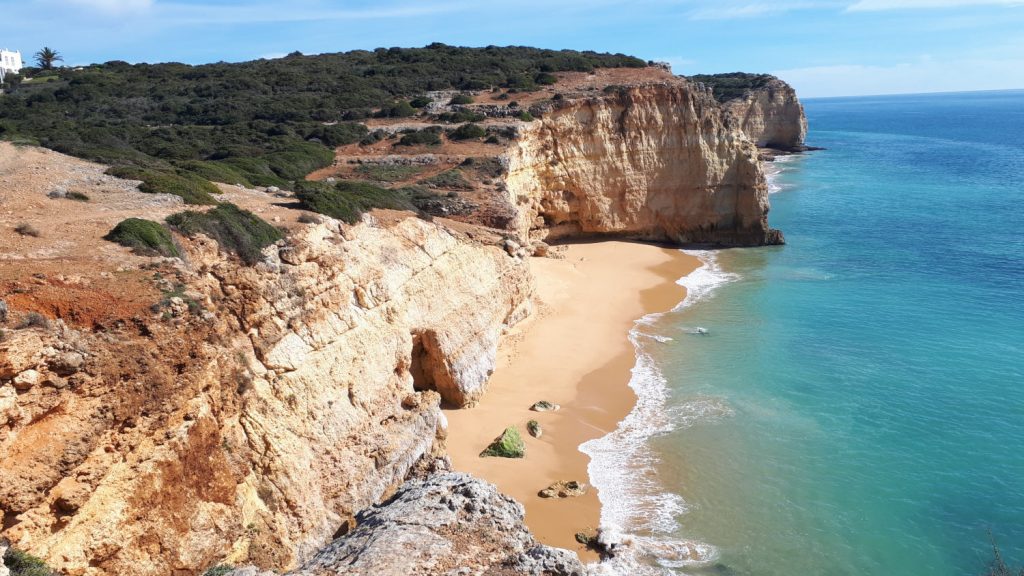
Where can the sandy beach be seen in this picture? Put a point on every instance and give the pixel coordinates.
(574, 352)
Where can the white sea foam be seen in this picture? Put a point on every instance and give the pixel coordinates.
(702, 282)
(773, 169)
(638, 515)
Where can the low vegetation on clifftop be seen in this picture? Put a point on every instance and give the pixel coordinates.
(732, 85)
(262, 123)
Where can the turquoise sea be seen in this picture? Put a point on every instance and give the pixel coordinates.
(856, 406)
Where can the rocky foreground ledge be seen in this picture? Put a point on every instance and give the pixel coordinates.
(449, 523)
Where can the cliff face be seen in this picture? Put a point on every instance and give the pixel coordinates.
(771, 116)
(253, 427)
(654, 162)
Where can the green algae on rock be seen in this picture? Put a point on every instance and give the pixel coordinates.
(533, 427)
(508, 445)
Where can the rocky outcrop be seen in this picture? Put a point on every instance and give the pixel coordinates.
(653, 162)
(299, 392)
(771, 116)
(447, 524)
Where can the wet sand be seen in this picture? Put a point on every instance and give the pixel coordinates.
(575, 352)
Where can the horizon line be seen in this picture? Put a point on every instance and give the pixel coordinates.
(933, 93)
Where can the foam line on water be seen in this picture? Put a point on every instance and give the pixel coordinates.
(638, 515)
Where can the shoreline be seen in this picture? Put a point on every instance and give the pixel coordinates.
(574, 352)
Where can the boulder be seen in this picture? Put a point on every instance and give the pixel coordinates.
(564, 489)
(544, 406)
(67, 363)
(449, 523)
(26, 379)
(508, 445)
(533, 427)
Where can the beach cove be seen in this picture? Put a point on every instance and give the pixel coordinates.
(575, 352)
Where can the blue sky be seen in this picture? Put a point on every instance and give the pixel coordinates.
(824, 48)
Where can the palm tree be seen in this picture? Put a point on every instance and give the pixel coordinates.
(46, 57)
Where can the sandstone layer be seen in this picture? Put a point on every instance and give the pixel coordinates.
(654, 162)
(256, 410)
(770, 116)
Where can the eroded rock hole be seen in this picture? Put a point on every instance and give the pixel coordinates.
(419, 366)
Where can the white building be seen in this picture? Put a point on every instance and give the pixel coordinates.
(10, 62)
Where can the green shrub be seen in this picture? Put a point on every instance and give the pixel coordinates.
(467, 132)
(237, 231)
(461, 99)
(449, 179)
(525, 116)
(215, 171)
(219, 570)
(460, 116)
(34, 320)
(24, 564)
(420, 137)
(420, 102)
(335, 135)
(144, 237)
(487, 167)
(26, 229)
(400, 109)
(349, 199)
(387, 172)
(545, 78)
(732, 85)
(193, 189)
(298, 159)
(373, 137)
(255, 171)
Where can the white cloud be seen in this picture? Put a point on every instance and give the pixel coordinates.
(726, 11)
(879, 5)
(925, 75)
(265, 11)
(113, 6)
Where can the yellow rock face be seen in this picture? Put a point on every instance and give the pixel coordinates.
(254, 432)
(771, 116)
(653, 162)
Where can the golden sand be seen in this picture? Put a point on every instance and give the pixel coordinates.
(576, 353)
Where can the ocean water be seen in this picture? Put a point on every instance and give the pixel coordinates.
(856, 405)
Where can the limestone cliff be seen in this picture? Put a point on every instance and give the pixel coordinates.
(770, 115)
(652, 161)
(260, 411)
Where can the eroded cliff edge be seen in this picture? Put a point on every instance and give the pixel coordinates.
(652, 161)
(762, 106)
(247, 414)
(253, 411)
